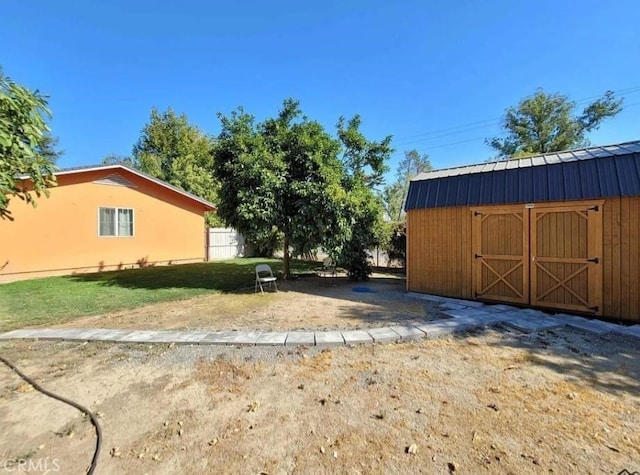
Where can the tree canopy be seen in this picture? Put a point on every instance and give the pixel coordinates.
(49, 147)
(364, 164)
(281, 175)
(395, 193)
(115, 159)
(393, 196)
(287, 175)
(173, 150)
(26, 148)
(544, 123)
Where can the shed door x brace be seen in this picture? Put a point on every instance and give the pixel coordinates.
(546, 255)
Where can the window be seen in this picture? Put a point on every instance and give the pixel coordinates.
(115, 222)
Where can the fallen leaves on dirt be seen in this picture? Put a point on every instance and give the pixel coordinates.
(222, 375)
(441, 406)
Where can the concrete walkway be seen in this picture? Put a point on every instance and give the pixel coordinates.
(464, 315)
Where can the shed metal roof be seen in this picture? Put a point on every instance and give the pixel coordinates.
(589, 173)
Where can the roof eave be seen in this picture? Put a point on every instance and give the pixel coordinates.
(207, 204)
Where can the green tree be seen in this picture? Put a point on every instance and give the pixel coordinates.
(280, 176)
(395, 193)
(544, 123)
(49, 147)
(115, 159)
(23, 145)
(364, 164)
(173, 150)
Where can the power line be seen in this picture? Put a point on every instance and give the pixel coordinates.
(449, 144)
(449, 134)
(472, 125)
(464, 128)
(458, 142)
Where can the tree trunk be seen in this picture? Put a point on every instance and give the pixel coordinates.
(285, 259)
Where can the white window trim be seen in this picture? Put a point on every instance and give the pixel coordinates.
(117, 208)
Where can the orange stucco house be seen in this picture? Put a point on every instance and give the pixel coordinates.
(102, 218)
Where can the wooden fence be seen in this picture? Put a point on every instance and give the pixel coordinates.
(224, 243)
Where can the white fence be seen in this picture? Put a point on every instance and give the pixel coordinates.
(224, 243)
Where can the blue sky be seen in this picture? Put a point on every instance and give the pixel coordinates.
(436, 75)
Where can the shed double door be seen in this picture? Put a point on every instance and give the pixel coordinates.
(546, 256)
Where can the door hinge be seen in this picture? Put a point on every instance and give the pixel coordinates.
(595, 208)
(595, 309)
(477, 213)
(478, 256)
(595, 260)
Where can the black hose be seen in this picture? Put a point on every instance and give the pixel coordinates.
(93, 418)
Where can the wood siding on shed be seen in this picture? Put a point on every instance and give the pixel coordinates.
(625, 257)
(439, 251)
(439, 254)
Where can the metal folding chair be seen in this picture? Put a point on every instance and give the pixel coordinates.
(264, 275)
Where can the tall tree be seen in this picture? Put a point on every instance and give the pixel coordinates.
(172, 149)
(23, 132)
(115, 159)
(281, 175)
(364, 164)
(49, 147)
(395, 193)
(544, 123)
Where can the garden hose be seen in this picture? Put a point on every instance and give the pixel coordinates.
(81, 408)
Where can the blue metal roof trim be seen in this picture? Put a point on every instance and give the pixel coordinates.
(608, 176)
(589, 182)
(525, 184)
(629, 173)
(430, 194)
(598, 172)
(540, 188)
(473, 183)
(451, 191)
(462, 191)
(555, 191)
(572, 179)
(485, 188)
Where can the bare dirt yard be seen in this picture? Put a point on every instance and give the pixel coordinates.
(307, 303)
(491, 402)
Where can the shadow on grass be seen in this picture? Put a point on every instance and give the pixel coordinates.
(223, 276)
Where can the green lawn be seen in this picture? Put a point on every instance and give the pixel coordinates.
(58, 299)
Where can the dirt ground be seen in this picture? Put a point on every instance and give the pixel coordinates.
(491, 402)
(303, 304)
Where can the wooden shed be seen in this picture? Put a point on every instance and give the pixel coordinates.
(557, 231)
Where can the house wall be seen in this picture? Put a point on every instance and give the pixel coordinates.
(60, 235)
(439, 254)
